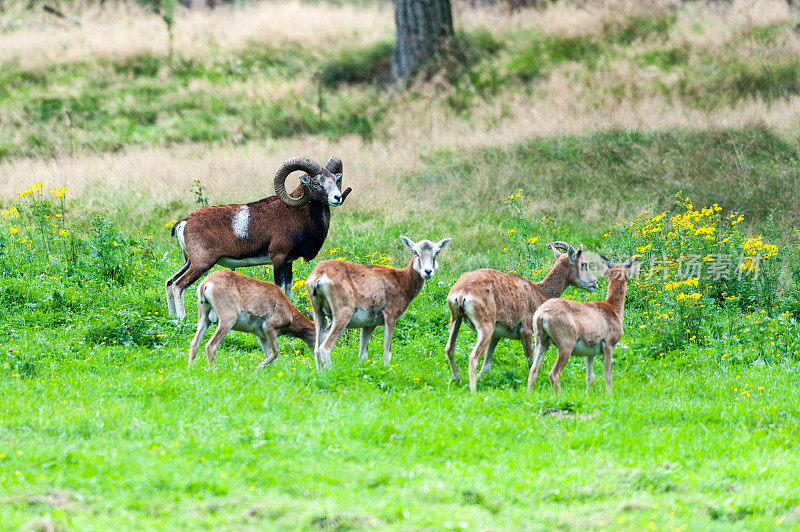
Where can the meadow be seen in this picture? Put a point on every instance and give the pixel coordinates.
(661, 129)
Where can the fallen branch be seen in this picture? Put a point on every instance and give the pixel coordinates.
(57, 12)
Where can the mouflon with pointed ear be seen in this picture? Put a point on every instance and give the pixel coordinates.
(583, 329)
(240, 303)
(363, 296)
(500, 305)
(276, 230)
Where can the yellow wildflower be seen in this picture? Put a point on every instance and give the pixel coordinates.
(752, 245)
(705, 230)
(770, 250)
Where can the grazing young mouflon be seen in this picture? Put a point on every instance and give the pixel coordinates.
(584, 329)
(501, 305)
(364, 296)
(240, 303)
(276, 230)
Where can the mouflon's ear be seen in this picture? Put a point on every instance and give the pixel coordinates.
(407, 242)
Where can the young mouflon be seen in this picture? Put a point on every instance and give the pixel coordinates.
(240, 303)
(363, 296)
(583, 329)
(500, 305)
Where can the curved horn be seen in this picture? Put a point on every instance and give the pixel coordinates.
(559, 244)
(608, 261)
(334, 165)
(289, 166)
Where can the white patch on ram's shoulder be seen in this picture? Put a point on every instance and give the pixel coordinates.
(241, 222)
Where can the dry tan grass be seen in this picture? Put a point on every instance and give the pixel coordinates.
(714, 26)
(564, 103)
(418, 127)
(566, 19)
(123, 30)
(240, 173)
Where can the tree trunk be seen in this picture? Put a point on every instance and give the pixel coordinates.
(423, 29)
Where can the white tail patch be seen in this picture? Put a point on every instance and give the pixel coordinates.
(457, 300)
(241, 222)
(468, 305)
(208, 294)
(207, 300)
(323, 284)
(179, 233)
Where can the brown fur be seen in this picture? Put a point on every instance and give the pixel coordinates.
(585, 329)
(345, 293)
(245, 304)
(275, 233)
(207, 243)
(502, 306)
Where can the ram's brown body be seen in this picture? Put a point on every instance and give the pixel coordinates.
(586, 329)
(500, 305)
(277, 233)
(240, 303)
(276, 230)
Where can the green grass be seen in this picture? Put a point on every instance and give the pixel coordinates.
(368, 65)
(103, 423)
(597, 177)
(148, 100)
(121, 432)
(114, 443)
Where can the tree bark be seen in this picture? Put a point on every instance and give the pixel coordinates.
(424, 28)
